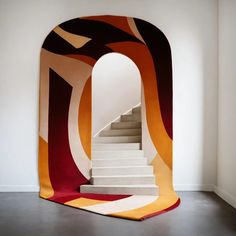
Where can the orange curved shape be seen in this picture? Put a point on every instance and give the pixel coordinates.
(46, 190)
(137, 52)
(84, 119)
(85, 40)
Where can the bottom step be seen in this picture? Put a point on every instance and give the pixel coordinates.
(118, 189)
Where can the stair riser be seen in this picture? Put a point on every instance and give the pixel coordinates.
(123, 180)
(120, 190)
(121, 139)
(122, 132)
(117, 154)
(125, 125)
(124, 162)
(136, 110)
(147, 170)
(104, 147)
(133, 117)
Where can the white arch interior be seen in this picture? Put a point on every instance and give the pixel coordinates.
(116, 87)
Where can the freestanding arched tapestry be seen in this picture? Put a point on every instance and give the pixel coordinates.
(67, 58)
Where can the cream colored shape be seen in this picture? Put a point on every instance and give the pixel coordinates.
(134, 29)
(125, 204)
(147, 145)
(75, 40)
(44, 99)
(76, 74)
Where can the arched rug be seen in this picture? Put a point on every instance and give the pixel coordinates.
(67, 58)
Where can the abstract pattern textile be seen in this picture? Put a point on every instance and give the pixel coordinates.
(67, 58)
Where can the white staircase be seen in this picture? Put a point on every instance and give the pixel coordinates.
(118, 163)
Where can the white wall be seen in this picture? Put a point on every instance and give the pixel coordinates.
(116, 87)
(226, 171)
(190, 26)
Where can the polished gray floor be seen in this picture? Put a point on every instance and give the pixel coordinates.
(200, 214)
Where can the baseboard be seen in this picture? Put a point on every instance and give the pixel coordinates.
(194, 187)
(225, 196)
(19, 188)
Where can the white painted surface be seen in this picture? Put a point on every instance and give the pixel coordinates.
(190, 26)
(226, 177)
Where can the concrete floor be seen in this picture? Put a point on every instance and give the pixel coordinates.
(200, 214)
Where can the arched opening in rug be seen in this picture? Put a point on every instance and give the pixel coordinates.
(116, 89)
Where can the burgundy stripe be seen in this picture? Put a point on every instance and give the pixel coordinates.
(64, 174)
(159, 47)
(163, 211)
(65, 197)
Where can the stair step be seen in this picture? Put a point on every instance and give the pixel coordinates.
(123, 180)
(116, 146)
(126, 125)
(119, 162)
(121, 132)
(122, 170)
(124, 189)
(117, 154)
(136, 110)
(130, 117)
(117, 139)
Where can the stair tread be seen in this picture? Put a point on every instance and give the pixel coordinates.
(125, 185)
(120, 136)
(125, 125)
(126, 129)
(117, 158)
(120, 132)
(128, 121)
(123, 167)
(122, 176)
(118, 139)
(129, 144)
(117, 151)
(118, 146)
(136, 189)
